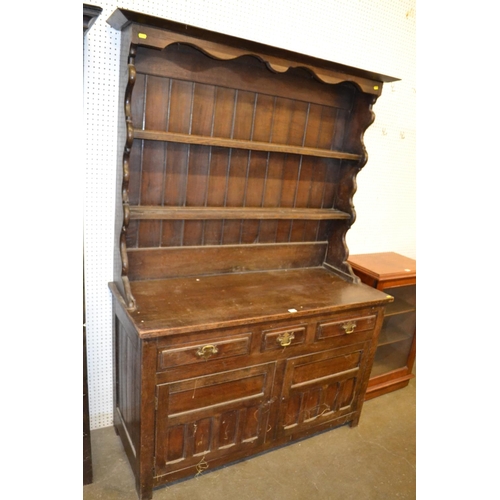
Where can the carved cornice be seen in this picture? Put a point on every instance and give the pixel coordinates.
(90, 14)
(160, 33)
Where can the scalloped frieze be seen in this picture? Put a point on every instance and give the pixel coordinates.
(161, 39)
(159, 33)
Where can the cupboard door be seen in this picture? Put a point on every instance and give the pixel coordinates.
(320, 387)
(206, 418)
(397, 333)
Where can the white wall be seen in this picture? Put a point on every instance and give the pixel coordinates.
(376, 35)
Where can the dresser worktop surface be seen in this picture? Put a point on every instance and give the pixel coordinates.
(187, 304)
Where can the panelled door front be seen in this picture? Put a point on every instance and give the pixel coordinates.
(320, 387)
(207, 417)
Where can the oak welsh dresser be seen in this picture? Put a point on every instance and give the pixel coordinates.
(239, 326)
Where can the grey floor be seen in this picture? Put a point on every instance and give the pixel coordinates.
(376, 460)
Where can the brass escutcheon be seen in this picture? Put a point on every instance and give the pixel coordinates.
(285, 338)
(349, 326)
(206, 351)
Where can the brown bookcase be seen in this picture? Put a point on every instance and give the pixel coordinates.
(239, 326)
(394, 359)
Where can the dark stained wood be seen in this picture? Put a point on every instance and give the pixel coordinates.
(396, 274)
(242, 298)
(175, 170)
(242, 121)
(219, 165)
(157, 135)
(159, 263)
(239, 325)
(87, 444)
(211, 213)
(213, 409)
(287, 197)
(255, 188)
(152, 156)
(153, 160)
(272, 196)
(125, 395)
(90, 14)
(184, 62)
(278, 338)
(227, 47)
(199, 160)
(263, 118)
(303, 188)
(235, 192)
(197, 354)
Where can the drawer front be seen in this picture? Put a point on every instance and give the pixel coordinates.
(279, 338)
(345, 327)
(203, 352)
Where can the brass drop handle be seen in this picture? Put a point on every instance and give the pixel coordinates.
(349, 327)
(284, 339)
(206, 351)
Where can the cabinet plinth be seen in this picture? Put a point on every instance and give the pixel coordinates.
(394, 359)
(239, 325)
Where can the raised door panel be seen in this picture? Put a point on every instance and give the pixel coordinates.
(321, 387)
(209, 417)
(127, 396)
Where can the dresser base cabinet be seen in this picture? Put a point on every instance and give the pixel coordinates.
(191, 397)
(239, 325)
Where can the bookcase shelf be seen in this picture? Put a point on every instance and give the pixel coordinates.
(394, 359)
(268, 147)
(238, 213)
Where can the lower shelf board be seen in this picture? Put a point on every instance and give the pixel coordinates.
(376, 388)
(390, 357)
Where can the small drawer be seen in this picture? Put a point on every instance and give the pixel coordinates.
(279, 338)
(345, 326)
(199, 353)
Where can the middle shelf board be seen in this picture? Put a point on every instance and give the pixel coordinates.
(158, 135)
(393, 334)
(217, 213)
(399, 306)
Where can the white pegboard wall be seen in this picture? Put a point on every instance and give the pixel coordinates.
(377, 35)
(101, 52)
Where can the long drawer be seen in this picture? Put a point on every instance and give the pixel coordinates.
(205, 350)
